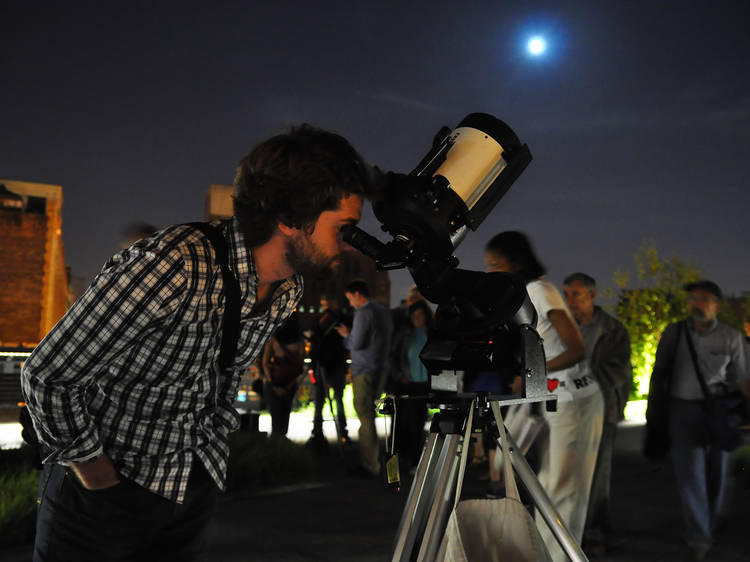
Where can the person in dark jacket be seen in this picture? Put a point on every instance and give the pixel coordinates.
(678, 419)
(607, 346)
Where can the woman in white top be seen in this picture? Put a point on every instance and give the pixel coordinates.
(568, 452)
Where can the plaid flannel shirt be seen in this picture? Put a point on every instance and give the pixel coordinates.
(132, 368)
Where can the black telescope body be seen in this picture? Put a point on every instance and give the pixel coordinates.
(481, 317)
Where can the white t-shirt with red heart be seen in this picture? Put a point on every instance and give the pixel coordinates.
(573, 382)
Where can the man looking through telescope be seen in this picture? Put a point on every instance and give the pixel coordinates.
(127, 394)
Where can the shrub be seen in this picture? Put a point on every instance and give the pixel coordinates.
(646, 310)
(18, 491)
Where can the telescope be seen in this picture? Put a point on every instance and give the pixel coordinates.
(483, 322)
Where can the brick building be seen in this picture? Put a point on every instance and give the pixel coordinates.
(33, 278)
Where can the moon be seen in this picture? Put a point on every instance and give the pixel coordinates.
(536, 45)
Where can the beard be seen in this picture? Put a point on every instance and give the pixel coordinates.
(697, 314)
(303, 257)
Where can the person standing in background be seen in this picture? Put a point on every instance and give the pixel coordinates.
(411, 381)
(700, 465)
(369, 342)
(568, 451)
(283, 364)
(330, 360)
(607, 346)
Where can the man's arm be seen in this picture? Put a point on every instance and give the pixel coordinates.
(665, 349)
(135, 292)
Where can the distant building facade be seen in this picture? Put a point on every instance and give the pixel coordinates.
(33, 276)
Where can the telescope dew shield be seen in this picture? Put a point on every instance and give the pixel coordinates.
(484, 159)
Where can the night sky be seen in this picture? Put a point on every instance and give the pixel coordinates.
(638, 114)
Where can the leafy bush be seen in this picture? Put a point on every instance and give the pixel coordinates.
(646, 310)
(18, 489)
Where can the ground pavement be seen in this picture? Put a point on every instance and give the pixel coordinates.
(340, 518)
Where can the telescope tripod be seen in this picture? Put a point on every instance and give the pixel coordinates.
(432, 492)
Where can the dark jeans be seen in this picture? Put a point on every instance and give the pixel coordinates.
(280, 408)
(124, 522)
(701, 470)
(336, 379)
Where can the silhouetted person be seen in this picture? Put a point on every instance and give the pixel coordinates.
(330, 359)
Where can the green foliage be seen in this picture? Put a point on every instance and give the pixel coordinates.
(645, 310)
(18, 506)
(256, 460)
(18, 488)
(734, 311)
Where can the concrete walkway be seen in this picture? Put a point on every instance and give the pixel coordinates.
(339, 518)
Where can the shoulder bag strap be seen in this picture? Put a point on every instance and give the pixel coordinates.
(511, 488)
(669, 373)
(694, 357)
(231, 330)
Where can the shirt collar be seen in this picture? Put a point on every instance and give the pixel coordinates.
(241, 262)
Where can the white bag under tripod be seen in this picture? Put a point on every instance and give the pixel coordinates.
(491, 530)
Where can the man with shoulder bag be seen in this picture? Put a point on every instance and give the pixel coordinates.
(131, 394)
(697, 387)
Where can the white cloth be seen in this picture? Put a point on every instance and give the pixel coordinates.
(567, 384)
(569, 452)
(491, 530)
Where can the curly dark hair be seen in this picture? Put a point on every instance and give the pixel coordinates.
(517, 249)
(292, 178)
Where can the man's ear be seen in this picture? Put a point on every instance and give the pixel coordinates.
(593, 294)
(287, 230)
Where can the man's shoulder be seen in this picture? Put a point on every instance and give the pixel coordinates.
(727, 331)
(671, 330)
(189, 242)
(609, 322)
(179, 251)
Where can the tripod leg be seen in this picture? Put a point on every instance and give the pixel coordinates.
(443, 498)
(415, 512)
(540, 497)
